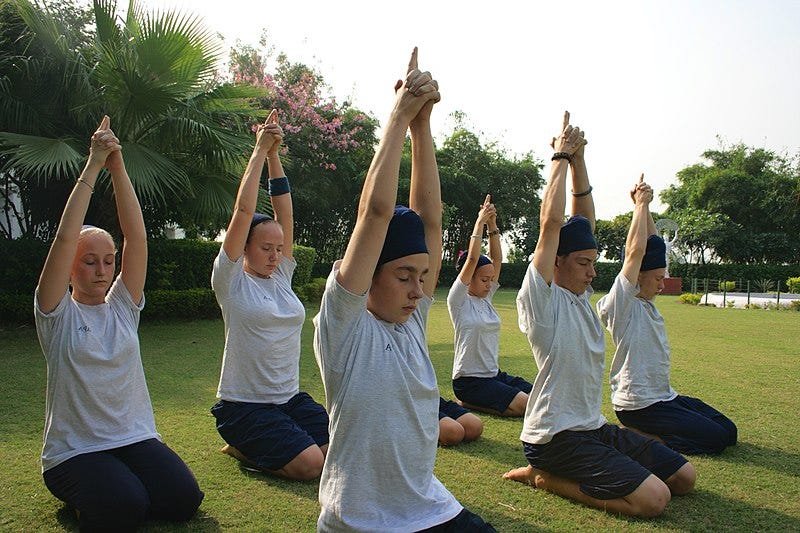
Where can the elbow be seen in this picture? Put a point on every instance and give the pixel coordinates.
(550, 224)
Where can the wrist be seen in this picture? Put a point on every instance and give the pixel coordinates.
(561, 155)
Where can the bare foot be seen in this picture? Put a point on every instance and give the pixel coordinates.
(236, 454)
(523, 474)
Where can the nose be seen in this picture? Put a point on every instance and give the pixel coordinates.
(416, 292)
(592, 271)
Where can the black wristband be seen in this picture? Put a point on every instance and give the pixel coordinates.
(561, 155)
(584, 193)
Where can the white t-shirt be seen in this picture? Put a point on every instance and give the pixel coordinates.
(263, 321)
(383, 401)
(639, 375)
(477, 332)
(569, 349)
(97, 397)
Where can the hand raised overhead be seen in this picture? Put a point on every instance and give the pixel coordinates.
(418, 89)
(103, 142)
(641, 193)
(487, 210)
(570, 139)
(269, 135)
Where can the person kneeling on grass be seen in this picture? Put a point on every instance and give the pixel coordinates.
(457, 424)
(370, 343)
(478, 382)
(102, 454)
(641, 394)
(268, 423)
(571, 450)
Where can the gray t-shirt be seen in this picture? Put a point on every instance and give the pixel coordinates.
(569, 349)
(383, 401)
(477, 332)
(639, 375)
(97, 397)
(263, 321)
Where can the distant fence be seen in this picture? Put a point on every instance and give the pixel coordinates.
(750, 293)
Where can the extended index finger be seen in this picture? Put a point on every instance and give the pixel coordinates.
(105, 123)
(641, 178)
(272, 118)
(566, 121)
(488, 199)
(412, 63)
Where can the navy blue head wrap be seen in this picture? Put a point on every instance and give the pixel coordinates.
(656, 254)
(462, 258)
(575, 235)
(258, 218)
(405, 236)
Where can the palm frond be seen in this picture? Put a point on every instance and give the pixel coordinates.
(155, 177)
(41, 157)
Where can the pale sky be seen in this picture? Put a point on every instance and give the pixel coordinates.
(652, 83)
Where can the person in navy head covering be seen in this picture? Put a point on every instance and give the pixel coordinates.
(478, 382)
(370, 342)
(570, 447)
(641, 394)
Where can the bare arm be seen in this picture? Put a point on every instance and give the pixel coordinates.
(474, 248)
(54, 279)
(134, 245)
(636, 243)
(247, 196)
(425, 195)
(551, 215)
(495, 249)
(379, 194)
(584, 203)
(282, 204)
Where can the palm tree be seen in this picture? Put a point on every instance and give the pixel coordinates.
(182, 129)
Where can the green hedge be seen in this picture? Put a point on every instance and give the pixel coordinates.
(178, 264)
(178, 278)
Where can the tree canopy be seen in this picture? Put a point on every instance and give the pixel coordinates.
(742, 207)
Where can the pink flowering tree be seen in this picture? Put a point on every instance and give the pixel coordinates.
(327, 146)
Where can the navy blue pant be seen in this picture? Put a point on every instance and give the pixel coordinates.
(464, 522)
(118, 489)
(685, 424)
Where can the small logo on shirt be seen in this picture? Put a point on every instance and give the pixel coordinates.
(388, 347)
(85, 329)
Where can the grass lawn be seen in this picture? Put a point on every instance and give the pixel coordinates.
(744, 362)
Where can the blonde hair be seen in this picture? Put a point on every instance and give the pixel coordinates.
(88, 231)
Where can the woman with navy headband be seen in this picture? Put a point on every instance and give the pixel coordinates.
(102, 454)
(266, 421)
(478, 382)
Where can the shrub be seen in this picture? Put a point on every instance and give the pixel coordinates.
(188, 304)
(793, 285)
(305, 257)
(752, 306)
(730, 304)
(690, 298)
(16, 308)
(764, 285)
(727, 286)
(794, 305)
(312, 291)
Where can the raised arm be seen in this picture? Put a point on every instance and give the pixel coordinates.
(379, 194)
(133, 267)
(247, 196)
(425, 196)
(54, 279)
(582, 200)
(636, 243)
(474, 248)
(495, 249)
(551, 215)
(279, 193)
